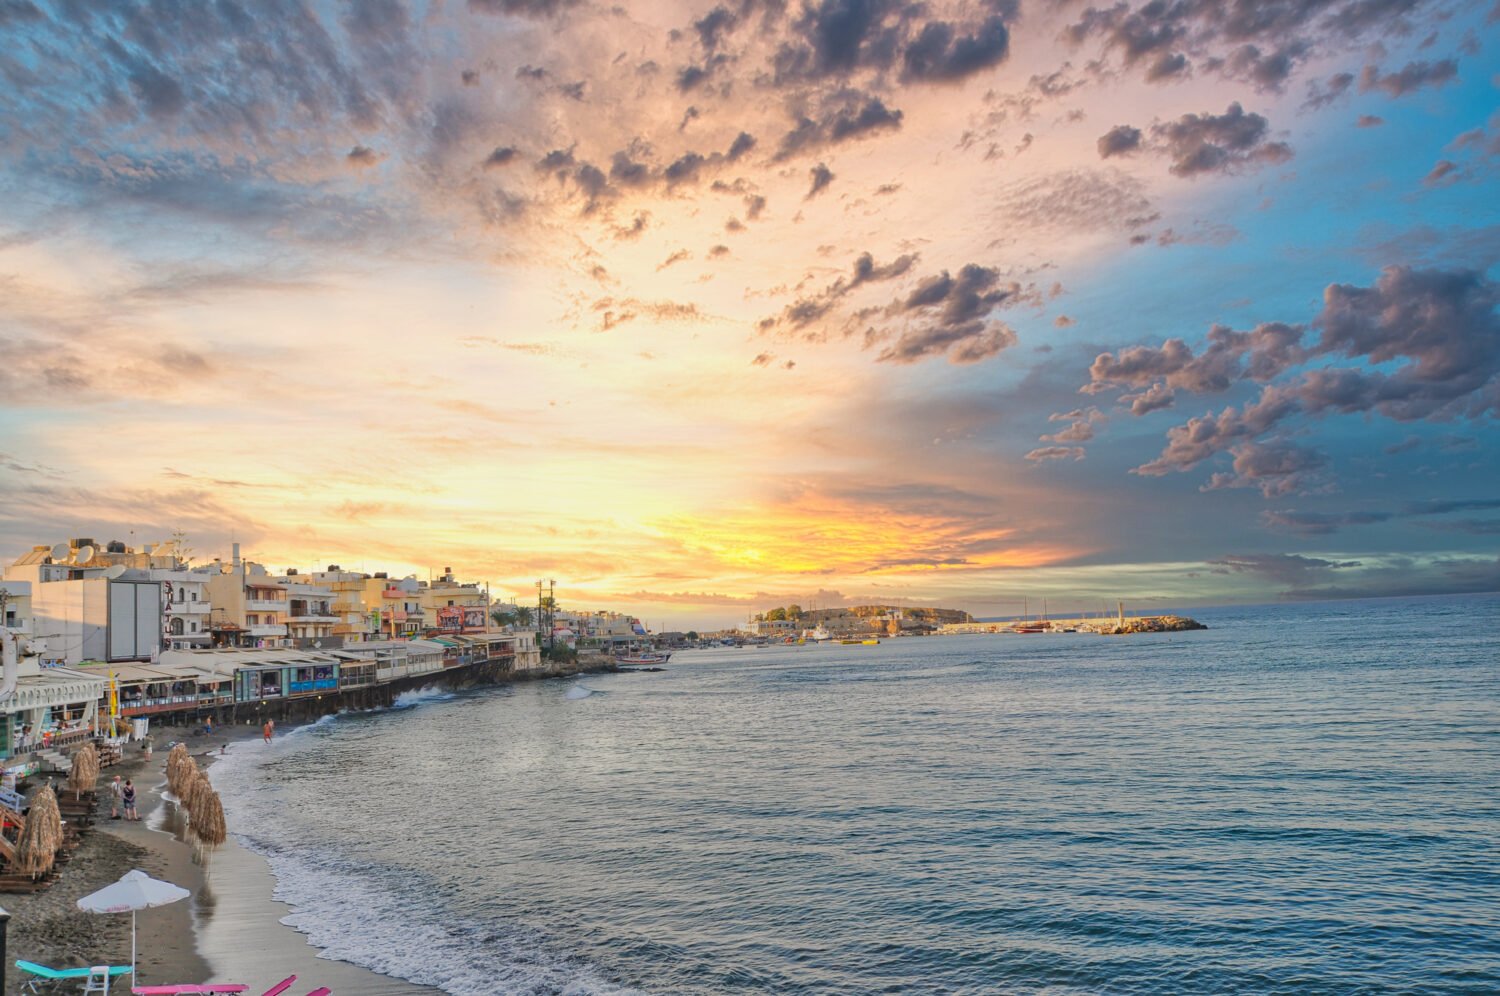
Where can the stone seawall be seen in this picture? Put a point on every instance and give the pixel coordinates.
(305, 709)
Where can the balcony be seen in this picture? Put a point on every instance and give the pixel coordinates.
(262, 629)
(313, 617)
(188, 608)
(265, 604)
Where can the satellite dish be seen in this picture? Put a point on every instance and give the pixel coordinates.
(84, 555)
(117, 571)
(61, 551)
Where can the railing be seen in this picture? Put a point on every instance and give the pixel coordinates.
(266, 604)
(188, 608)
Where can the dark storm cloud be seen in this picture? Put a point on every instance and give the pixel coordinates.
(1276, 467)
(1326, 523)
(1256, 41)
(1118, 141)
(1217, 143)
(1260, 354)
(939, 53)
(845, 117)
(822, 176)
(1413, 76)
(1285, 568)
(1428, 347)
(502, 156)
(1318, 523)
(362, 156)
(1167, 66)
(836, 39)
(1266, 71)
(950, 314)
(812, 309)
(741, 146)
(1322, 93)
(521, 8)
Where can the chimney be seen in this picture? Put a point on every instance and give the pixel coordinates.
(236, 560)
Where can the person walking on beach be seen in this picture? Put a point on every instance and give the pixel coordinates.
(128, 798)
(265, 732)
(116, 790)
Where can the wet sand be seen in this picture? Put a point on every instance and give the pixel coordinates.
(229, 930)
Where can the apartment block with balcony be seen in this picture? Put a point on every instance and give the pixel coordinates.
(249, 606)
(310, 619)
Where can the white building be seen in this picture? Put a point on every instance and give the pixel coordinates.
(188, 609)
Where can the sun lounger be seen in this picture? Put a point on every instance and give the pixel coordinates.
(280, 987)
(321, 991)
(212, 989)
(96, 979)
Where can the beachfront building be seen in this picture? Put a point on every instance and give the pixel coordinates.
(310, 618)
(451, 606)
(602, 630)
(399, 603)
(188, 608)
(771, 627)
(356, 617)
(249, 606)
(45, 708)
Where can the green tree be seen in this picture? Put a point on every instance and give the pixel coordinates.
(692, 635)
(776, 615)
(524, 615)
(794, 612)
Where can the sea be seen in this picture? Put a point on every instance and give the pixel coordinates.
(1304, 798)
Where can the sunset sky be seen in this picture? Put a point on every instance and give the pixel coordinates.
(703, 309)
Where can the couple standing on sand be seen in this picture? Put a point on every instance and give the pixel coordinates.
(122, 796)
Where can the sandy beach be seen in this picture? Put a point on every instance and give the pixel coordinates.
(229, 930)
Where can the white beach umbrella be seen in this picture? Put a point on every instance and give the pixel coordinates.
(135, 891)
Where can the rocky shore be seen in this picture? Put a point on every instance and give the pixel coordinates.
(1154, 624)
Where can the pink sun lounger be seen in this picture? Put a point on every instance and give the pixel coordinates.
(212, 989)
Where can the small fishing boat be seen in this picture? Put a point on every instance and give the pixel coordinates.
(643, 657)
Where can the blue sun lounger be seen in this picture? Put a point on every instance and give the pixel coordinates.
(95, 980)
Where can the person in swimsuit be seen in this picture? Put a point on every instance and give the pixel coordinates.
(116, 790)
(128, 798)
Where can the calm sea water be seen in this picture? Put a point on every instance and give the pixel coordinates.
(1303, 799)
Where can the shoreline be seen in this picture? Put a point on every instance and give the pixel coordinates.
(229, 930)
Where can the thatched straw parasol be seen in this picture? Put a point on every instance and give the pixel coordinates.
(41, 836)
(178, 762)
(85, 773)
(208, 817)
(193, 782)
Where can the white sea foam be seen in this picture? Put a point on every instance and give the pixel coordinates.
(388, 920)
(417, 696)
(580, 691)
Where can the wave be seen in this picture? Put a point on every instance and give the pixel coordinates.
(396, 926)
(417, 696)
